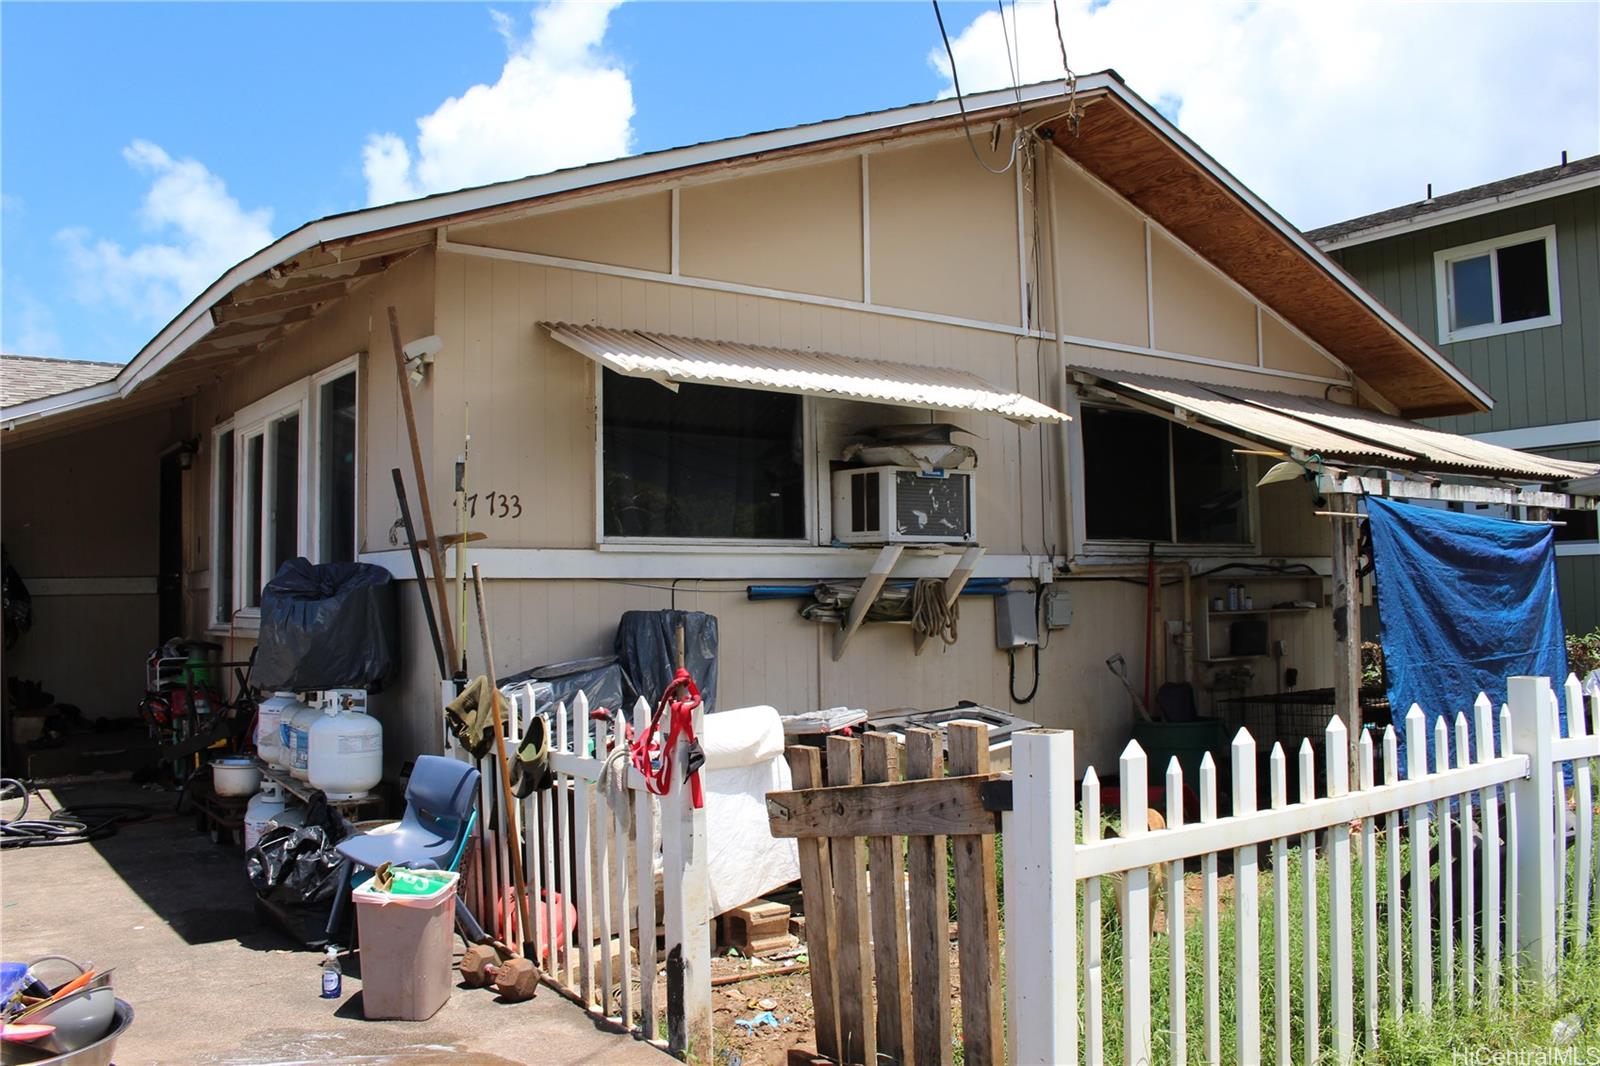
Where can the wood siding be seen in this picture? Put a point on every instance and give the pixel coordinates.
(1537, 377)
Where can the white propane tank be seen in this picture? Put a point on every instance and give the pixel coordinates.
(264, 806)
(299, 728)
(292, 815)
(346, 746)
(286, 733)
(269, 722)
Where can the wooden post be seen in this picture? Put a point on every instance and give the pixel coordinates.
(1533, 827)
(435, 557)
(1041, 900)
(1346, 616)
(688, 913)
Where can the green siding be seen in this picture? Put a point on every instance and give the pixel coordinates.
(1537, 377)
(1578, 585)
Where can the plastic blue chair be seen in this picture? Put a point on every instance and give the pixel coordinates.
(441, 812)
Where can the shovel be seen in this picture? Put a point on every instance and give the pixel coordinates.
(1119, 666)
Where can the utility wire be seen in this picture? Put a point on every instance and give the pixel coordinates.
(966, 122)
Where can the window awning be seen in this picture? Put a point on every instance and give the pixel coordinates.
(1310, 426)
(674, 360)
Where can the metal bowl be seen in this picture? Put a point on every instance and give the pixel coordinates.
(80, 1018)
(98, 1053)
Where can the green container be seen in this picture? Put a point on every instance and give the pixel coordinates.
(1188, 742)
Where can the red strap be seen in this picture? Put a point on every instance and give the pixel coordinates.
(651, 756)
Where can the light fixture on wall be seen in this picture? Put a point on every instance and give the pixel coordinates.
(419, 356)
(184, 451)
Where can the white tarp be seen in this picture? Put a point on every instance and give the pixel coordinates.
(744, 761)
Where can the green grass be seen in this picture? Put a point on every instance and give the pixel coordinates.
(1523, 1022)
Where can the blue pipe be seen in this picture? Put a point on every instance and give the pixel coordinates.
(978, 586)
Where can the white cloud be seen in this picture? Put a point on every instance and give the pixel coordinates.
(198, 230)
(559, 102)
(31, 327)
(1330, 110)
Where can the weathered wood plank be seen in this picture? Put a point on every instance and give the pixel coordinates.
(816, 887)
(927, 868)
(853, 959)
(978, 912)
(891, 954)
(949, 806)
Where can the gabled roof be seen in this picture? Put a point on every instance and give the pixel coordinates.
(35, 377)
(1480, 199)
(1123, 140)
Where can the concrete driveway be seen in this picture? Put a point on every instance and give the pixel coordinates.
(210, 985)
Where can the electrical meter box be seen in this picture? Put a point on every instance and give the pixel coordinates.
(1016, 620)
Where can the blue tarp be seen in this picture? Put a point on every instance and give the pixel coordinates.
(1465, 603)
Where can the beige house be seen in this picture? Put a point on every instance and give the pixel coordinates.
(660, 360)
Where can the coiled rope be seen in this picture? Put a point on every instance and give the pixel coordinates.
(931, 613)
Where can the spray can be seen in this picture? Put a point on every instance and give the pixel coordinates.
(332, 975)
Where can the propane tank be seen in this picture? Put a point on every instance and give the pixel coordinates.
(263, 807)
(269, 723)
(299, 728)
(345, 746)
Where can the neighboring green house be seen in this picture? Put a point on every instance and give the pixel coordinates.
(1504, 280)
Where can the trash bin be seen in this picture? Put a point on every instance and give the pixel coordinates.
(406, 943)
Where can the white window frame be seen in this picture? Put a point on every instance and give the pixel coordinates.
(1443, 297)
(301, 398)
(808, 451)
(1104, 548)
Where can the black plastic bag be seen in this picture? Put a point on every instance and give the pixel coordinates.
(600, 679)
(647, 644)
(327, 626)
(295, 865)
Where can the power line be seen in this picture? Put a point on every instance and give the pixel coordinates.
(966, 122)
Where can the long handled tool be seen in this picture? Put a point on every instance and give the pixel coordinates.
(512, 843)
(416, 564)
(435, 556)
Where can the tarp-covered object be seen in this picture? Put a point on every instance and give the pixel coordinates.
(327, 626)
(647, 646)
(1465, 603)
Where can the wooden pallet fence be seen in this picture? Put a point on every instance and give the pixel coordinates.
(873, 876)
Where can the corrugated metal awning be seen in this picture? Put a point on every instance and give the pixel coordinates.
(670, 359)
(1338, 431)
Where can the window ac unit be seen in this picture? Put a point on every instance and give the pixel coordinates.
(904, 505)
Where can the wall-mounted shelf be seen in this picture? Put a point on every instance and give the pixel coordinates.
(873, 583)
(1221, 629)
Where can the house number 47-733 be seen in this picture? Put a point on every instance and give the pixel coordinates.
(495, 505)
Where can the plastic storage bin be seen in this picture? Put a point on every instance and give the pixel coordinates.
(406, 944)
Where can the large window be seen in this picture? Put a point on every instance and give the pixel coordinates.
(1148, 480)
(1498, 286)
(702, 463)
(284, 484)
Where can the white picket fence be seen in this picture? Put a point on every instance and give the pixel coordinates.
(1492, 930)
(598, 842)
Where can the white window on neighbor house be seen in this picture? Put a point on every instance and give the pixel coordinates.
(701, 463)
(1498, 286)
(1147, 480)
(283, 484)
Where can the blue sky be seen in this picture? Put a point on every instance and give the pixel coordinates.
(145, 147)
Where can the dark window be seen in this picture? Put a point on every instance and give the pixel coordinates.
(1581, 527)
(254, 453)
(222, 550)
(1137, 467)
(285, 502)
(336, 474)
(1524, 282)
(702, 462)
(1127, 476)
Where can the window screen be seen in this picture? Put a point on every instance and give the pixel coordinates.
(250, 519)
(1470, 290)
(703, 462)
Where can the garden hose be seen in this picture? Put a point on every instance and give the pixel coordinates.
(69, 825)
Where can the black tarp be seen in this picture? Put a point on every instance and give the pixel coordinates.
(324, 626)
